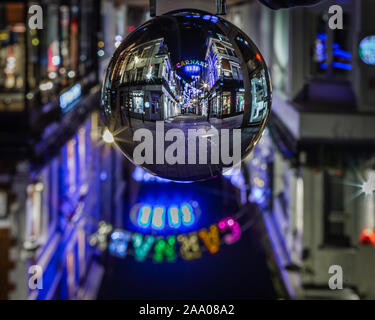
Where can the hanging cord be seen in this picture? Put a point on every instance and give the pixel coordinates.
(221, 7)
(281, 4)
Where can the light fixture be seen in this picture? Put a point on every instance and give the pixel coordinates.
(368, 187)
(108, 136)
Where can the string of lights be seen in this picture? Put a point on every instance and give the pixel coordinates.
(121, 243)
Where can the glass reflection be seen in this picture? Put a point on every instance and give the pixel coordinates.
(189, 70)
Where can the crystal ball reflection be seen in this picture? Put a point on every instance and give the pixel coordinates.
(186, 96)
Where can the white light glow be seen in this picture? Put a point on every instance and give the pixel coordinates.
(368, 187)
(108, 137)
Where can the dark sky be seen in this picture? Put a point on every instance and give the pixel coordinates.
(185, 37)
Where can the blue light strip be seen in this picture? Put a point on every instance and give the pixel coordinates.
(342, 54)
(341, 65)
(177, 215)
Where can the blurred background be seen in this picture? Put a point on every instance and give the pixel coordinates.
(308, 186)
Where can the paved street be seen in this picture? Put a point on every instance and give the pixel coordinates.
(185, 122)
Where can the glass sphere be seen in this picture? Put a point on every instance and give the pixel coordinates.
(186, 96)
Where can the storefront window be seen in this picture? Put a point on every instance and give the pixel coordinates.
(226, 103)
(240, 102)
(218, 105)
(36, 213)
(72, 165)
(138, 101)
(259, 96)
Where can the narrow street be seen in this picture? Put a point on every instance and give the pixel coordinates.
(238, 271)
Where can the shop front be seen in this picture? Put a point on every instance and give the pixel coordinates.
(226, 102)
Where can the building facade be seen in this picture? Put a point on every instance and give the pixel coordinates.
(224, 77)
(147, 82)
(53, 163)
(319, 157)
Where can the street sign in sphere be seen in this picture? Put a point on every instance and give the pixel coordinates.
(186, 96)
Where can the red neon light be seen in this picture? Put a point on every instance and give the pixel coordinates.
(258, 57)
(367, 237)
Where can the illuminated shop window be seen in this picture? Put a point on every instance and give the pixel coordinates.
(332, 55)
(226, 103)
(37, 212)
(259, 96)
(240, 102)
(138, 101)
(82, 153)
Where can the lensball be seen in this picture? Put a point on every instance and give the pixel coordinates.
(186, 96)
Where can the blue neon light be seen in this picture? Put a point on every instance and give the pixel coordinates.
(69, 98)
(192, 68)
(206, 17)
(187, 214)
(141, 175)
(322, 37)
(119, 243)
(158, 217)
(214, 19)
(338, 53)
(341, 65)
(177, 216)
(144, 216)
(342, 54)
